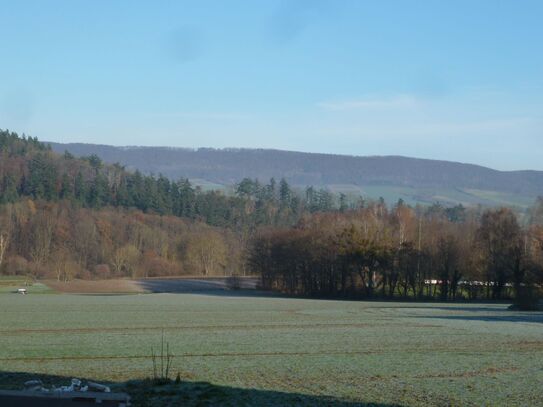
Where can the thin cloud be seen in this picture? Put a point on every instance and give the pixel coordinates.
(424, 130)
(291, 18)
(185, 44)
(399, 101)
(222, 116)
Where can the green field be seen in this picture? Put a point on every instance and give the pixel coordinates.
(10, 284)
(428, 196)
(279, 351)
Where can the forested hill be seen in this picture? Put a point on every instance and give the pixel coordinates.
(62, 216)
(415, 180)
(29, 169)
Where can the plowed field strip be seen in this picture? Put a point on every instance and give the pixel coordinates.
(469, 373)
(242, 354)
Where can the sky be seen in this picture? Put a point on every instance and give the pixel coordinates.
(453, 80)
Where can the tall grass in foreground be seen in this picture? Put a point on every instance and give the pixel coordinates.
(162, 362)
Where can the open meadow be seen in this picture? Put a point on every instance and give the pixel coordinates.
(265, 350)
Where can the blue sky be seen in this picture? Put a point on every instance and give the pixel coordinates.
(456, 80)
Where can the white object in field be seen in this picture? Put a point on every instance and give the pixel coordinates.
(76, 386)
(21, 291)
(33, 383)
(98, 387)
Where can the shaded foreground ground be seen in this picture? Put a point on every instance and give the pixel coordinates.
(279, 350)
(144, 394)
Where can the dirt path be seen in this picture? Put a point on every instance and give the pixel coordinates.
(95, 286)
(190, 285)
(152, 285)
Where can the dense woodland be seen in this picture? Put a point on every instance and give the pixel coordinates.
(68, 217)
(400, 252)
(64, 217)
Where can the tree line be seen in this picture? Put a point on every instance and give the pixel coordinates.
(420, 253)
(65, 217)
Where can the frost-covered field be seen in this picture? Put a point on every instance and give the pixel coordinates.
(322, 351)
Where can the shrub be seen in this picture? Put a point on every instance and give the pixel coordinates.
(16, 265)
(102, 271)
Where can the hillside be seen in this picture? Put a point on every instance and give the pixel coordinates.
(64, 217)
(393, 177)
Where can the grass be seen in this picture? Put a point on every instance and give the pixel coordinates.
(264, 350)
(10, 284)
(208, 185)
(501, 198)
(425, 196)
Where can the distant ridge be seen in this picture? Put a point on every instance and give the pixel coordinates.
(412, 179)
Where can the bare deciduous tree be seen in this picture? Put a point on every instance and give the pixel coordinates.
(4, 242)
(206, 250)
(125, 260)
(42, 236)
